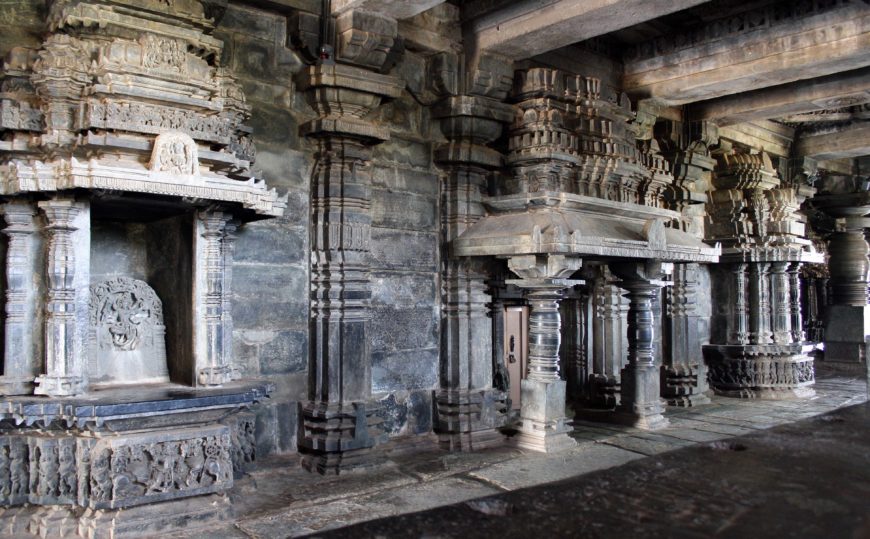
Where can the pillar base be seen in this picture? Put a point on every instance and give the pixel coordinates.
(469, 420)
(57, 386)
(543, 426)
(641, 405)
(681, 385)
(16, 386)
(846, 327)
(336, 439)
(766, 371)
(215, 376)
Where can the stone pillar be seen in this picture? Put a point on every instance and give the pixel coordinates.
(794, 289)
(640, 403)
(780, 292)
(739, 330)
(847, 318)
(20, 365)
(66, 306)
(684, 374)
(609, 344)
(468, 407)
(212, 359)
(543, 425)
(228, 245)
(339, 426)
(754, 214)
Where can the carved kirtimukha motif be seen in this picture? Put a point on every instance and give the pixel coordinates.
(175, 153)
(127, 332)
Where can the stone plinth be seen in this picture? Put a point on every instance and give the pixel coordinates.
(761, 371)
(121, 449)
(543, 426)
(846, 328)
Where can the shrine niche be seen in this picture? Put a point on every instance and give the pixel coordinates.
(125, 167)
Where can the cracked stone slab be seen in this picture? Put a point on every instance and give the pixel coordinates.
(298, 521)
(532, 470)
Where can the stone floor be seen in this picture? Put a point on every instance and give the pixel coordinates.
(281, 500)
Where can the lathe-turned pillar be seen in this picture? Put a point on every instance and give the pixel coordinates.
(543, 425)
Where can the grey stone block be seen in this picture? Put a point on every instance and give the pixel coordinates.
(405, 179)
(404, 250)
(404, 328)
(403, 210)
(263, 283)
(259, 313)
(288, 425)
(404, 152)
(287, 352)
(409, 369)
(271, 242)
(251, 22)
(394, 288)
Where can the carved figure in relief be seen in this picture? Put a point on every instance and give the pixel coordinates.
(19, 476)
(127, 341)
(5, 479)
(175, 153)
(67, 470)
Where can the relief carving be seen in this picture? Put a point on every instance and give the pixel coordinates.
(164, 53)
(175, 153)
(123, 474)
(127, 341)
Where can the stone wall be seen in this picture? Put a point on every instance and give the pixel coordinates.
(405, 259)
(271, 263)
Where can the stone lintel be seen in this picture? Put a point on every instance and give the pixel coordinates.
(395, 9)
(851, 141)
(527, 28)
(351, 78)
(832, 92)
(767, 56)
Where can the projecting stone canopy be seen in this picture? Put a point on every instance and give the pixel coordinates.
(563, 223)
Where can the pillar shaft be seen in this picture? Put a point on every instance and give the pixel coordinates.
(20, 366)
(64, 351)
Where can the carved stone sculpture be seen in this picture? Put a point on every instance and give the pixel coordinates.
(127, 342)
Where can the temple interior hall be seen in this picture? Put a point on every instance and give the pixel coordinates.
(434, 268)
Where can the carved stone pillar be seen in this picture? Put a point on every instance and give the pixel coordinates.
(339, 425)
(848, 316)
(738, 332)
(468, 408)
(684, 375)
(755, 215)
(212, 365)
(640, 404)
(20, 364)
(794, 289)
(543, 425)
(66, 305)
(609, 343)
(228, 245)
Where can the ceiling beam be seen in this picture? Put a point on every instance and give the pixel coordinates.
(851, 141)
(527, 28)
(715, 61)
(832, 92)
(394, 9)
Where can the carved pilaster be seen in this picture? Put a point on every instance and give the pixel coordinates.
(468, 407)
(794, 289)
(780, 288)
(339, 426)
(543, 425)
(20, 365)
(739, 330)
(228, 245)
(66, 302)
(609, 344)
(684, 375)
(213, 365)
